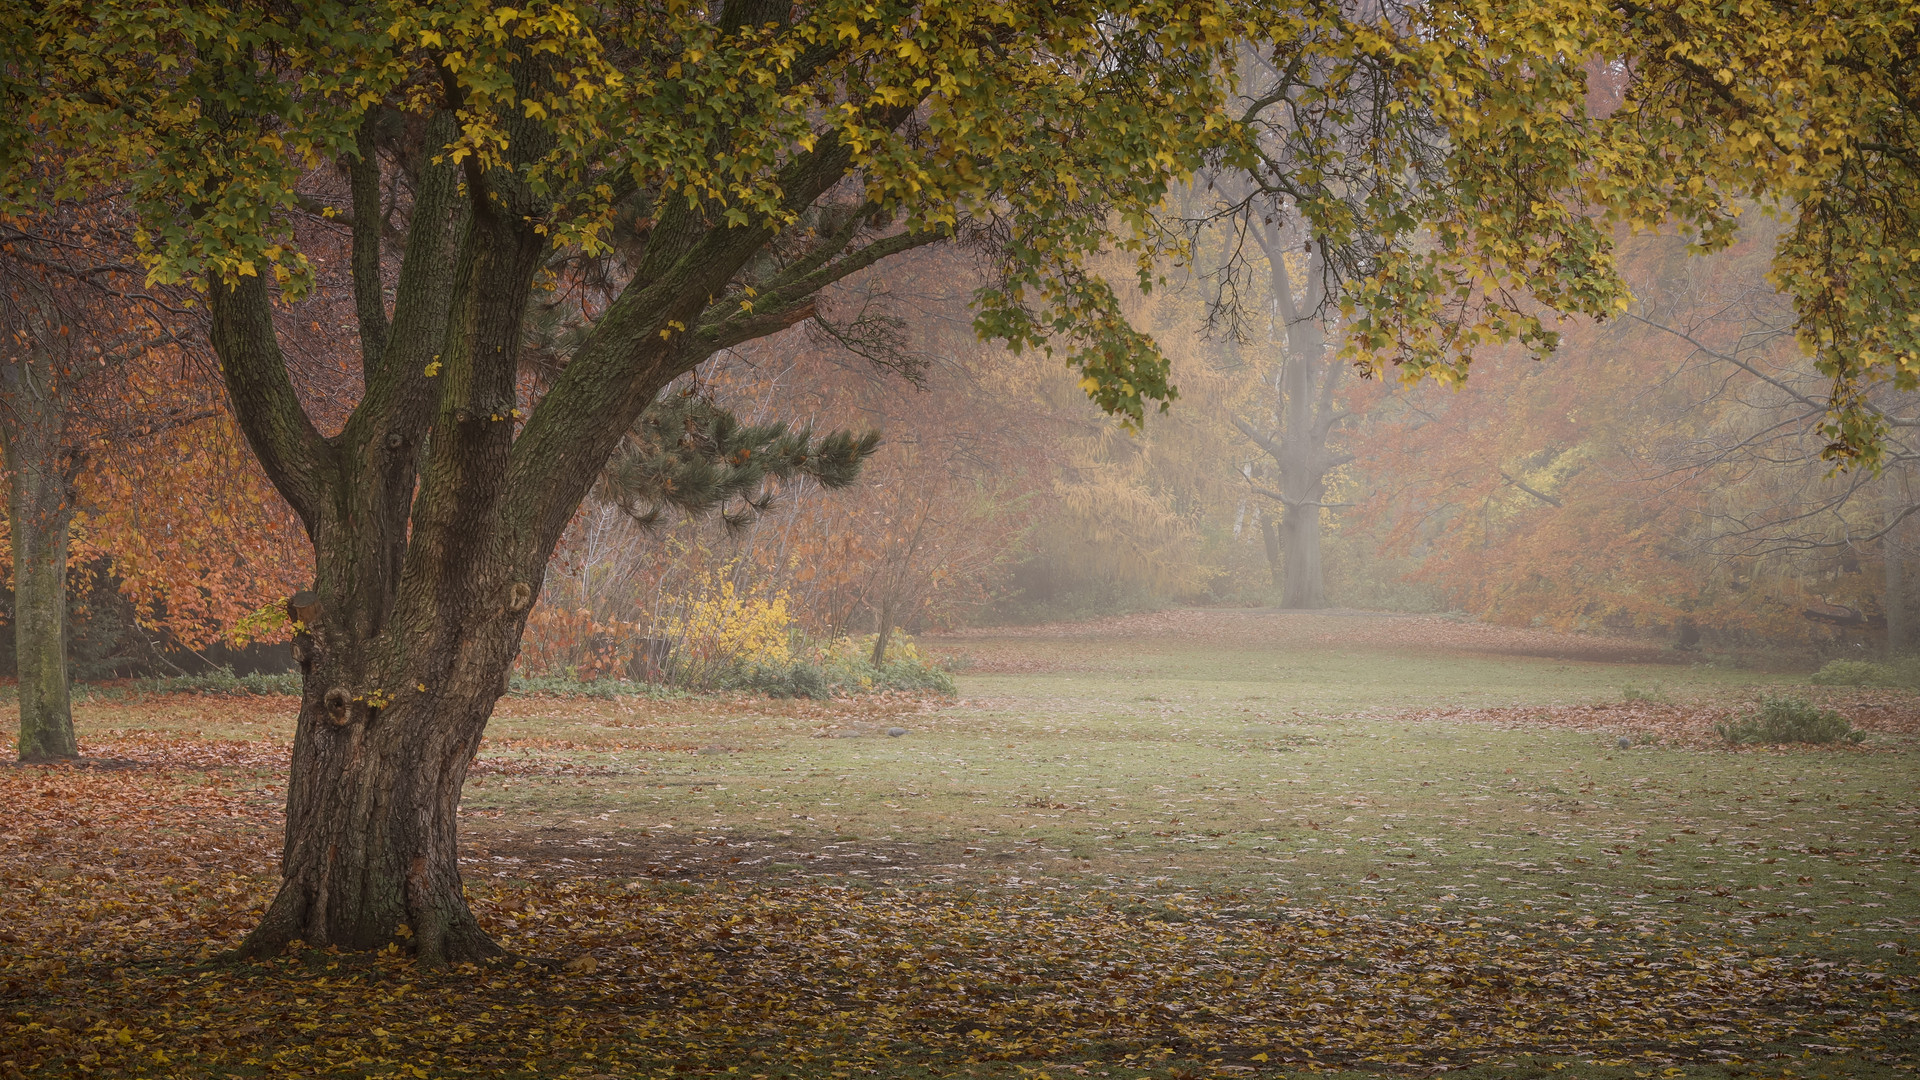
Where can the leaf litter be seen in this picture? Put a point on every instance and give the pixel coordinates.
(124, 885)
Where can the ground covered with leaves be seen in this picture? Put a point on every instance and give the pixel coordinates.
(1203, 869)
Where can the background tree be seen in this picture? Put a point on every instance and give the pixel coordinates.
(1304, 413)
(1663, 476)
(1810, 107)
(82, 342)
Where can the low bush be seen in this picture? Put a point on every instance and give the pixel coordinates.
(842, 666)
(222, 680)
(572, 685)
(1654, 693)
(1789, 720)
(793, 679)
(1904, 672)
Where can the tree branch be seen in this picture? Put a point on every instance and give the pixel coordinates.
(1529, 489)
(290, 449)
(1262, 441)
(793, 301)
(369, 297)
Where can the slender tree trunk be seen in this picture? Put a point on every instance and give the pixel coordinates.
(1302, 476)
(1894, 597)
(883, 631)
(40, 513)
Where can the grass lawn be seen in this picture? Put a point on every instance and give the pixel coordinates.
(1179, 845)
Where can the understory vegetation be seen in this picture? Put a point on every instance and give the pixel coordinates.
(1782, 719)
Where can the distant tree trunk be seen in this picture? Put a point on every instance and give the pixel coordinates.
(1305, 412)
(1270, 535)
(1894, 599)
(883, 630)
(40, 513)
(1302, 448)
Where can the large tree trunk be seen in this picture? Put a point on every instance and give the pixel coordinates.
(379, 760)
(434, 511)
(39, 513)
(419, 599)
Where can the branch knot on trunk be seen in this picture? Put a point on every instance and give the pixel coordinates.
(339, 705)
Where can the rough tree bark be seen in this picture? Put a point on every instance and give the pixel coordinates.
(40, 474)
(1305, 416)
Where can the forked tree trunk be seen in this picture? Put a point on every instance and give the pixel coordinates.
(39, 513)
(434, 511)
(419, 601)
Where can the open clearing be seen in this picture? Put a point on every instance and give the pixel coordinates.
(1191, 844)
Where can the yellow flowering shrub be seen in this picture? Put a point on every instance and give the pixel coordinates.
(723, 628)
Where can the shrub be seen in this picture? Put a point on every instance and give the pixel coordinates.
(572, 685)
(842, 666)
(1789, 720)
(848, 662)
(1904, 672)
(222, 680)
(1655, 693)
(723, 634)
(573, 645)
(794, 679)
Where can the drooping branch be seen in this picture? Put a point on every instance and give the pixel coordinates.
(791, 299)
(694, 456)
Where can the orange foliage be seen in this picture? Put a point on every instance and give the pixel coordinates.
(1635, 480)
(165, 488)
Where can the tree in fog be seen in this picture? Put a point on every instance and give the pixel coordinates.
(739, 159)
(1301, 425)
